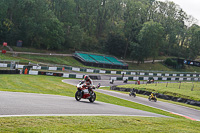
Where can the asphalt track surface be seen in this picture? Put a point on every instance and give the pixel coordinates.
(189, 113)
(29, 104)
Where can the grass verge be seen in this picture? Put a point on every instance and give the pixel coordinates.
(103, 124)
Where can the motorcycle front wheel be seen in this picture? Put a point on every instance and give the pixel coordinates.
(93, 97)
(78, 95)
(155, 100)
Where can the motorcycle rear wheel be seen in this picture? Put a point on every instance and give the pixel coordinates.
(78, 95)
(92, 98)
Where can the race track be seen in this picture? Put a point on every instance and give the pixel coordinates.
(172, 108)
(30, 104)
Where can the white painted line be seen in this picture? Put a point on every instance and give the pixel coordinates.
(73, 115)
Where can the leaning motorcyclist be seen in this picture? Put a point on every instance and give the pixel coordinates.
(133, 90)
(88, 82)
(152, 95)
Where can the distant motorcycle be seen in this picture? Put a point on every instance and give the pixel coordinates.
(132, 93)
(83, 92)
(150, 81)
(152, 97)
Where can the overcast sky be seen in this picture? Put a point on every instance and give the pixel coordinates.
(191, 7)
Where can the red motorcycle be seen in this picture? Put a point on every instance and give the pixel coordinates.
(84, 92)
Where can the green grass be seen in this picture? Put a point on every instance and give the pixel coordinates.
(82, 124)
(7, 57)
(149, 66)
(26, 58)
(10, 57)
(171, 89)
(26, 49)
(54, 85)
(69, 61)
(36, 84)
(34, 50)
(161, 67)
(190, 69)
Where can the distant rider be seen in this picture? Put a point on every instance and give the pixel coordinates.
(133, 90)
(152, 95)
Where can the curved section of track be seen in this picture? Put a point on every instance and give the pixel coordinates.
(29, 104)
(172, 108)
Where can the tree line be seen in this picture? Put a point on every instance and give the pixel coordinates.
(135, 29)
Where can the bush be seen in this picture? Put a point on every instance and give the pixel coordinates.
(171, 62)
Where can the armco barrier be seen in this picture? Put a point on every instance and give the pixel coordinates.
(159, 95)
(141, 73)
(134, 73)
(157, 78)
(66, 75)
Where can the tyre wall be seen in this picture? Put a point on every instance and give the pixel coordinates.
(10, 71)
(158, 95)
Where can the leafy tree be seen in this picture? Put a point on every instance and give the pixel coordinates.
(124, 25)
(6, 25)
(75, 37)
(194, 43)
(37, 25)
(137, 52)
(134, 18)
(115, 44)
(172, 18)
(150, 37)
(64, 10)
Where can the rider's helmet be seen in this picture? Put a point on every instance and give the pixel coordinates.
(86, 77)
